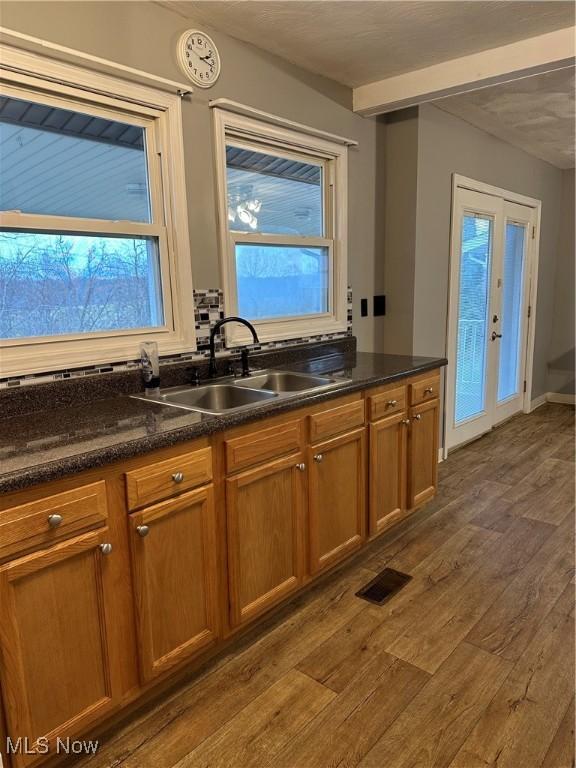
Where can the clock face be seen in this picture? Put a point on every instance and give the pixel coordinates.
(198, 57)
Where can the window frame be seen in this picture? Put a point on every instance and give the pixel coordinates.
(232, 128)
(159, 113)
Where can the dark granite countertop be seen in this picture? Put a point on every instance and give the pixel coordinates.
(49, 444)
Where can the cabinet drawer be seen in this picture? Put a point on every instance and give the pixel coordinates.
(336, 420)
(52, 518)
(387, 403)
(257, 447)
(425, 389)
(168, 478)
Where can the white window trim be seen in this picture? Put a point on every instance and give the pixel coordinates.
(238, 127)
(140, 104)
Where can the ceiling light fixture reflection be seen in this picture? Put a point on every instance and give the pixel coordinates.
(244, 209)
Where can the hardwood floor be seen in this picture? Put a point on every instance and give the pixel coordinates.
(470, 665)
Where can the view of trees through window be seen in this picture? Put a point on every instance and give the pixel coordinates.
(81, 167)
(54, 284)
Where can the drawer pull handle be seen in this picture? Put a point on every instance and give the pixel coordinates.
(54, 520)
(429, 391)
(417, 417)
(142, 530)
(106, 548)
(178, 477)
(301, 467)
(318, 457)
(391, 403)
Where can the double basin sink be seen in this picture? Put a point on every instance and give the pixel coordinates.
(231, 394)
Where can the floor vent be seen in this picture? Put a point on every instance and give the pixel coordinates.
(384, 586)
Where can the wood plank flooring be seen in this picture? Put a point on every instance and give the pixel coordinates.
(470, 665)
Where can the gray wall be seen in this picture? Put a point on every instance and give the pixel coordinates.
(446, 145)
(561, 352)
(144, 35)
(400, 176)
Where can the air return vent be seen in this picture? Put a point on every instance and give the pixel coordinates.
(384, 586)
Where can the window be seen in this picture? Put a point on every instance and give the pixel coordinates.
(93, 256)
(282, 211)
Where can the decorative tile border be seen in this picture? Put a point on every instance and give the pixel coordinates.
(208, 309)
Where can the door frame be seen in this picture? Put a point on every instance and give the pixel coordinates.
(532, 258)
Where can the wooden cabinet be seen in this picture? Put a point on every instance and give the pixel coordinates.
(388, 471)
(163, 479)
(403, 449)
(54, 640)
(423, 453)
(175, 580)
(336, 501)
(264, 508)
(207, 537)
(46, 521)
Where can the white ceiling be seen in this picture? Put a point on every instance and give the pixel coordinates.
(535, 114)
(360, 41)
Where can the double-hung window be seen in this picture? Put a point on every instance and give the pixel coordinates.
(94, 250)
(282, 219)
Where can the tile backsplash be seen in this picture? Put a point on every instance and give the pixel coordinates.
(208, 309)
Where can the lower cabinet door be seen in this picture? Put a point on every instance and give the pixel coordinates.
(388, 441)
(264, 527)
(423, 453)
(54, 644)
(175, 579)
(337, 480)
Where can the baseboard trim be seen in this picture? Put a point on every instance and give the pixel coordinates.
(559, 397)
(538, 401)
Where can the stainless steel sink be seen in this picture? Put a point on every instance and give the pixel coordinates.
(232, 395)
(284, 381)
(213, 398)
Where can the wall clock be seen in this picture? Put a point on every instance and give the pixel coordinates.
(198, 58)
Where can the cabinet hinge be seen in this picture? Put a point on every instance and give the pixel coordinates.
(533, 233)
(529, 310)
(524, 385)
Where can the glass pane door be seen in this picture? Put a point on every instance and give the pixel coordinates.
(511, 311)
(472, 324)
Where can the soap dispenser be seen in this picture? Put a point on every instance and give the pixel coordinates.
(150, 368)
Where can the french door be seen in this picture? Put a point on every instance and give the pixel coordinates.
(488, 313)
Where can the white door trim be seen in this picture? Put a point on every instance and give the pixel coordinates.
(532, 255)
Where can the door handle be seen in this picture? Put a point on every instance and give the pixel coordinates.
(496, 335)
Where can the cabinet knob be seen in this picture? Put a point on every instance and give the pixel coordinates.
(54, 520)
(318, 457)
(106, 548)
(417, 417)
(405, 421)
(178, 477)
(142, 530)
(429, 391)
(391, 403)
(301, 467)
